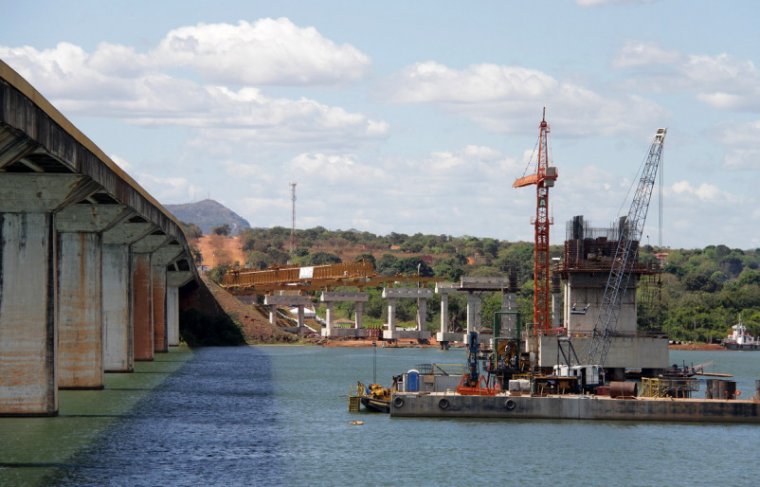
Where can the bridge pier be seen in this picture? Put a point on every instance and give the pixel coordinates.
(28, 322)
(148, 304)
(28, 304)
(80, 293)
(118, 328)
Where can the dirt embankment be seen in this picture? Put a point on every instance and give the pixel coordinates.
(253, 321)
(218, 249)
(696, 346)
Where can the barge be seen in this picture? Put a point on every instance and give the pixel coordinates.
(574, 406)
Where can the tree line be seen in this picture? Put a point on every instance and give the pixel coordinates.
(698, 296)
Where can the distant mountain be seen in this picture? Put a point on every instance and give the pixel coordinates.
(208, 214)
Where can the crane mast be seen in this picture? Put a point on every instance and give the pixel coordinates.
(631, 229)
(543, 178)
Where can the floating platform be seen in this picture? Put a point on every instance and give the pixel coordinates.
(572, 406)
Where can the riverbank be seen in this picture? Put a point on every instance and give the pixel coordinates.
(715, 347)
(33, 448)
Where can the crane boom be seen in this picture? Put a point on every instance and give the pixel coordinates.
(631, 229)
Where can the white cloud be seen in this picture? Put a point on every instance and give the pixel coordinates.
(268, 51)
(169, 189)
(121, 162)
(143, 88)
(719, 81)
(635, 53)
(501, 98)
(703, 192)
(742, 143)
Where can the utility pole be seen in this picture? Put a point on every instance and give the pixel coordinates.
(293, 220)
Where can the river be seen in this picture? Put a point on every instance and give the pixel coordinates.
(278, 416)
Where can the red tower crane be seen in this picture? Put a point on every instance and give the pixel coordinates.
(543, 178)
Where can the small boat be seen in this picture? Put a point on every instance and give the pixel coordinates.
(374, 397)
(739, 339)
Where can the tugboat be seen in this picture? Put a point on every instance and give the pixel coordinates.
(374, 398)
(739, 339)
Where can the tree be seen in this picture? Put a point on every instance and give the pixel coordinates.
(221, 230)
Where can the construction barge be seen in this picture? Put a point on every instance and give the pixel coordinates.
(574, 406)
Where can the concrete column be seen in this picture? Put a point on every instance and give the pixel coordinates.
(142, 307)
(301, 321)
(174, 280)
(392, 316)
(28, 297)
(421, 313)
(158, 290)
(329, 317)
(473, 318)
(117, 326)
(28, 318)
(172, 315)
(444, 313)
(273, 315)
(508, 301)
(159, 260)
(358, 314)
(80, 320)
(556, 309)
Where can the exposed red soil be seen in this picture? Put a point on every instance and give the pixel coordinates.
(697, 346)
(218, 249)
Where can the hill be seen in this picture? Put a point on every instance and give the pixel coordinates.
(208, 214)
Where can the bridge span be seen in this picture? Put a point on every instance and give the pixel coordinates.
(90, 263)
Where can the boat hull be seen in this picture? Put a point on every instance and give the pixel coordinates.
(375, 405)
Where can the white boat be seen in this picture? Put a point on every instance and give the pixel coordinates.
(739, 339)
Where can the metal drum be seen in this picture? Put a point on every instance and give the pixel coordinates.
(623, 389)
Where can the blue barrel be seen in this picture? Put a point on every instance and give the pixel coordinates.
(413, 380)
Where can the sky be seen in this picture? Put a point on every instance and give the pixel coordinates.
(410, 117)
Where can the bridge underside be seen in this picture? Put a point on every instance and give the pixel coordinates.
(90, 263)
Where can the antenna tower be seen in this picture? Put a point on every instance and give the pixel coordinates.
(293, 220)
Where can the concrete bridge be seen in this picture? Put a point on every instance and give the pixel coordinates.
(90, 263)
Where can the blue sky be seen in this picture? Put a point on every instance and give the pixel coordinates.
(413, 116)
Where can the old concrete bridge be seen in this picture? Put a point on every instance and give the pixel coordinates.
(90, 263)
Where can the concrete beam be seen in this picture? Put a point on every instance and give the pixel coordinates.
(40, 193)
(407, 292)
(13, 148)
(89, 218)
(335, 296)
(446, 288)
(287, 300)
(127, 232)
(178, 278)
(150, 243)
(483, 283)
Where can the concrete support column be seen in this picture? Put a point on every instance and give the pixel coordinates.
(358, 314)
(158, 290)
(172, 315)
(80, 320)
(508, 301)
(421, 313)
(273, 315)
(473, 317)
(556, 309)
(117, 326)
(142, 307)
(329, 317)
(28, 318)
(174, 280)
(392, 316)
(444, 313)
(300, 317)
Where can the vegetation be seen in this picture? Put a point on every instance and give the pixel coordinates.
(700, 293)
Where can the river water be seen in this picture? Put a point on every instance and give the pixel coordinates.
(278, 416)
